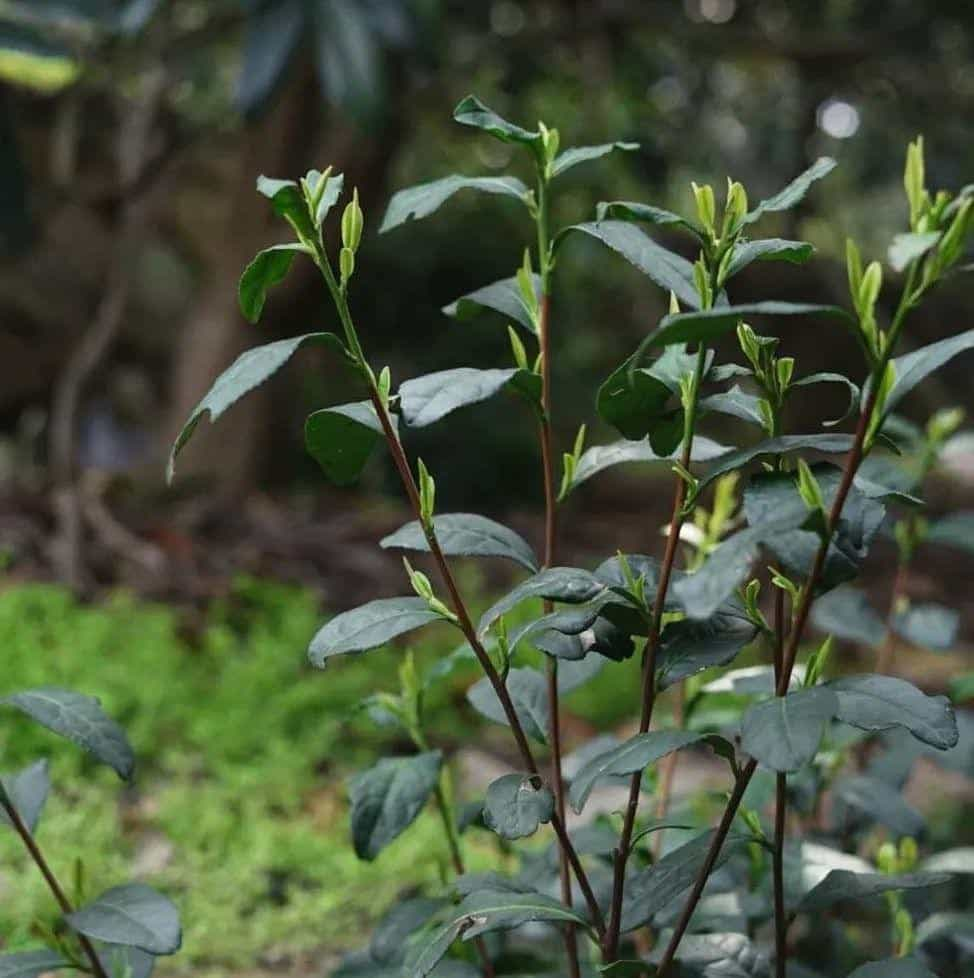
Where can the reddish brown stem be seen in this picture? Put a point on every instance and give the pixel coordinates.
(33, 850)
(780, 811)
(668, 767)
(470, 633)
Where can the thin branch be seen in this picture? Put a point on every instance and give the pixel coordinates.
(780, 810)
(30, 844)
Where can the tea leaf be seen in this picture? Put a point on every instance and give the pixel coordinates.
(736, 403)
(880, 801)
(514, 807)
(634, 755)
(289, 203)
(341, 438)
(424, 199)
(907, 248)
(784, 732)
(491, 910)
(570, 585)
(581, 154)
(666, 269)
(768, 249)
(27, 791)
(424, 400)
(847, 614)
(134, 915)
(369, 626)
(795, 191)
(600, 457)
(872, 702)
(387, 798)
(470, 111)
(31, 964)
(248, 371)
(690, 646)
(503, 296)
(81, 720)
(466, 535)
(529, 693)
(628, 210)
(931, 626)
(268, 267)
(843, 884)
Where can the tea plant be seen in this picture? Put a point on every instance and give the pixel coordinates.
(801, 527)
(119, 933)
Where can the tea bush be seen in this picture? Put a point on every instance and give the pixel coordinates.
(813, 822)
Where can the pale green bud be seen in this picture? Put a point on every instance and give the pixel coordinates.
(353, 222)
(346, 265)
(914, 179)
(706, 205)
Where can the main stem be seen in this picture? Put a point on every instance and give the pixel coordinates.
(456, 600)
(780, 811)
(30, 844)
(853, 461)
(611, 944)
(550, 540)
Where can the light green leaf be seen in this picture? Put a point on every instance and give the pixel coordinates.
(794, 192)
(466, 535)
(134, 915)
(784, 732)
(581, 154)
(636, 754)
(269, 267)
(341, 438)
(369, 626)
(387, 798)
(514, 807)
(79, 719)
(248, 371)
(420, 201)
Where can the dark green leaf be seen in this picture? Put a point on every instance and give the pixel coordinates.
(529, 694)
(881, 702)
(514, 807)
(30, 964)
(426, 399)
(795, 191)
(906, 248)
(770, 249)
(914, 367)
(387, 798)
(289, 203)
(503, 297)
(847, 614)
(784, 732)
(893, 968)
(581, 154)
(470, 111)
(134, 915)
(666, 269)
(341, 438)
(466, 535)
(653, 889)
(831, 378)
(931, 626)
(723, 955)
(600, 457)
(879, 801)
(27, 791)
(843, 884)
(420, 201)
(709, 324)
(248, 371)
(629, 210)
(574, 674)
(491, 910)
(429, 953)
(369, 626)
(635, 754)
(81, 720)
(387, 944)
(267, 269)
(689, 646)
(568, 585)
(834, 444)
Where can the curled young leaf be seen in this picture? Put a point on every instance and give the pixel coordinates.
(470, 111)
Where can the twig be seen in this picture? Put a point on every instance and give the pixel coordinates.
(52, 881)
